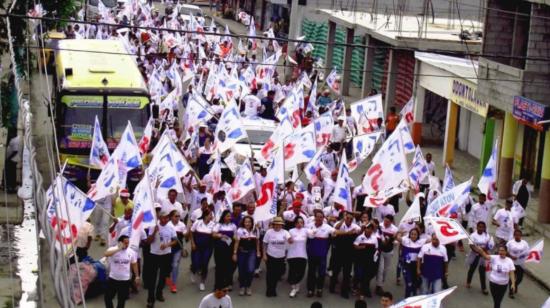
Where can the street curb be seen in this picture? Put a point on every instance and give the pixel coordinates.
(539, 281)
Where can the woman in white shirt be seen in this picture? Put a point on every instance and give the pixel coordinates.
(518, 250)
(502, 273)
(224, 232)
(245, 252)
(275, 241)
(297, 255)
(201, 246)
(181, 232)
(484, 241)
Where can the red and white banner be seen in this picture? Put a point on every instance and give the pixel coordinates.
(535, 253)
(447, 230)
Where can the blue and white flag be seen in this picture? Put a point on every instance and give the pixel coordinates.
(388, 174)
(448, 202)
(230, 128)
(313, 166)
(144, 215)
(488, 179)
(324, 125)
(166, 148)
(448, 182)
(67, 210)
(299, 147)
(401, 133)
(419, 169)
(342, 190)
(127, 151)
(164, 175)
(364, 144)
(99, 154)
(107, 183)
(292, 105)
(196, 112)
(243, 182)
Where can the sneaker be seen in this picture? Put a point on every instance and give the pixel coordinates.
(319, 293)
(248, 291)
(329, 273)
(310, 293)
(160, 298)
(242, 291)
(293, 292)
(257, 272)
(202, 287)
(192, 276)
(173, 288)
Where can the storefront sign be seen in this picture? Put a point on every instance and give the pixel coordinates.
(529, 112)
(463, 93)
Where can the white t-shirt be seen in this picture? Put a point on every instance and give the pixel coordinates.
(500, 269)
(324, 231)
(429, 249)
(165, 235)
(242, 233)
(201, 227)
(290, 216)
(195, 215)
(519, 250)
(252, 103)
(276, 242)
(119, 264)
(210, 301)
(298, 247)
(363, 239)
(505, 220)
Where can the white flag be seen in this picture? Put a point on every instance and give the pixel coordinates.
(299, 147)
(448, 202)
(536, 252)
(407, 113)
(342, 192)
(424, 301)
(388, 175)
(230, 128)
(447, 230)
(488, 179)
(448, 182)
(364, 144)
(99, 154)
(243, 182)
(107, 183)
(366, 113)
(413, 212)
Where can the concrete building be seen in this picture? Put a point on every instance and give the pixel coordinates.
(514, 76)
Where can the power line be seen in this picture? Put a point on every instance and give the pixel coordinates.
(282, 65)
(287, 40)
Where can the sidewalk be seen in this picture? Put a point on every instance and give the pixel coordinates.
(464, 167)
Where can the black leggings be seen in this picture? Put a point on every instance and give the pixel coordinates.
(519, 276)
(497, 291)
(296, 270)
(275, 269)
(481, 269)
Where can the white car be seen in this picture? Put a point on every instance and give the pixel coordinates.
(186, 10)
(258, 131)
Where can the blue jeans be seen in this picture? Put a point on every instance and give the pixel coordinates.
(176, 258)
(200, 259)
(431, 286)
(246, 261)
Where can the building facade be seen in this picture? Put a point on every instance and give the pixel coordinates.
(514, 74)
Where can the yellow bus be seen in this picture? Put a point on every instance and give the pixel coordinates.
(95, 78)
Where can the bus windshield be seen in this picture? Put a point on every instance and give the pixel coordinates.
(78, 114)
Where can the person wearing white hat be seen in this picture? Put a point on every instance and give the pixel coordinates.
(275, 244)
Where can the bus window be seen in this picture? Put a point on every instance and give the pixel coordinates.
(76, 122)
(123, 109)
